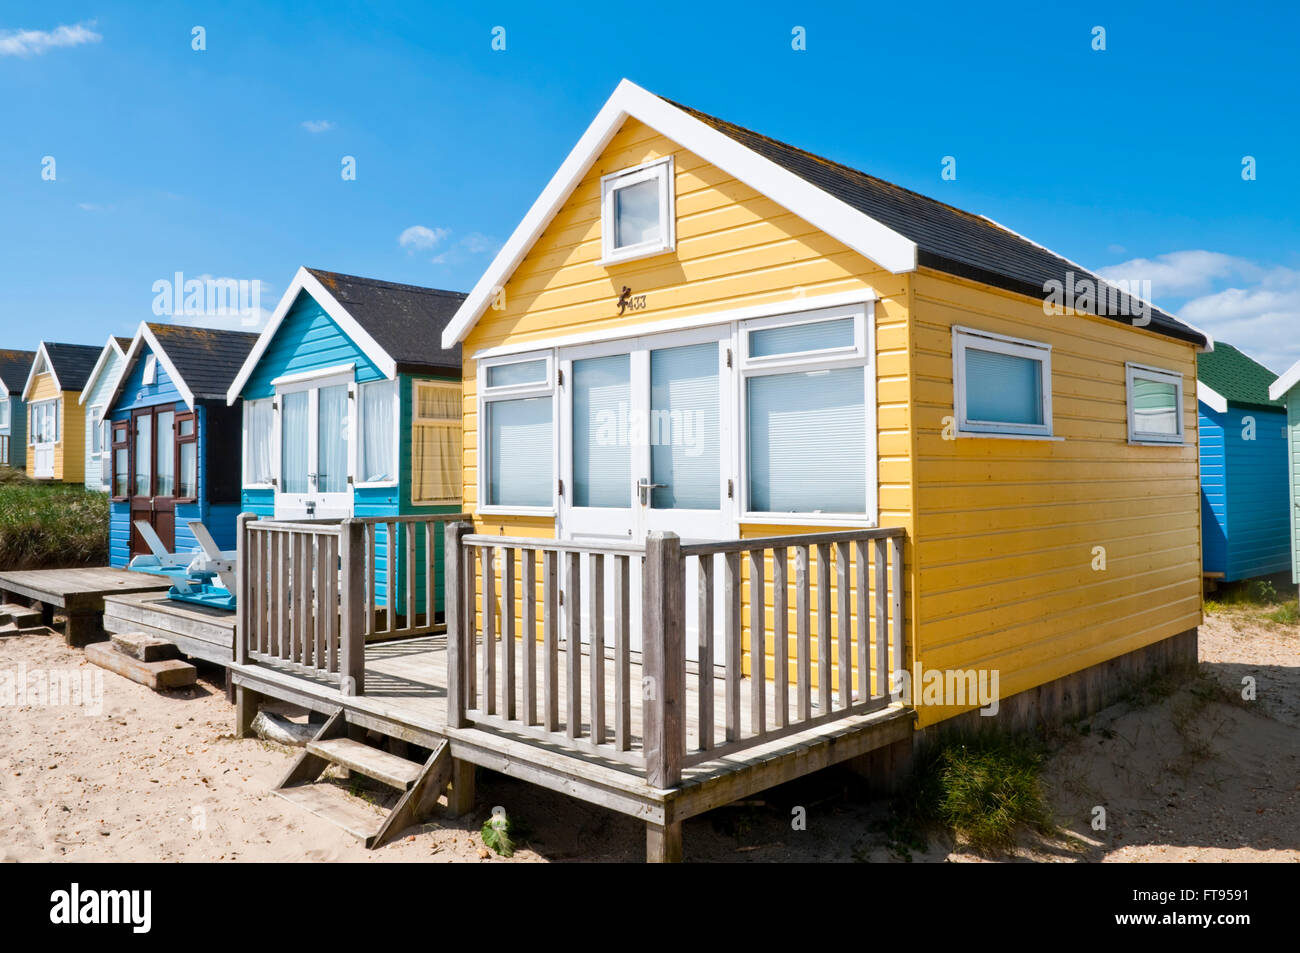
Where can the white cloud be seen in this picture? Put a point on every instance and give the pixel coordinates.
(317, 125)
(36, 42)
(421, 237)
(1180, 273)
(1262, 318)
(477, 243)
(246, 310)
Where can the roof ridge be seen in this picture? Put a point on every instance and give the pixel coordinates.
(421, 289)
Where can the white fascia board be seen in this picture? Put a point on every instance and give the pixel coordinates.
(41, 354)
(863, 234)
(1279, 388)
(1211, 398)
(304, 280)
(109, 348)
(143, 336)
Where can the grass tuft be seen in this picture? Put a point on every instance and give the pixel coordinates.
(982, 789)
(50, 525)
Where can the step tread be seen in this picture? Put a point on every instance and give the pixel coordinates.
(168, 673)
(144, 647)
(372, 762)
(359, 818)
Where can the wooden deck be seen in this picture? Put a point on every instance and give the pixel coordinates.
(198, 631)
(406, 697)
(80, 593)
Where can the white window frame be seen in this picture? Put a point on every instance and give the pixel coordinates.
(964, 338)
(417, 421)
(860, 354)
(314, 380)
(248, 484)
(149, 376)
(1159, 375)
(545, 388)
(397, 433)
(53, 403)
(95, 414)
(660, 170)
(6, 412)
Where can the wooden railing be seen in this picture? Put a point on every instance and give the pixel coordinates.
(310, 597)
(545, 640)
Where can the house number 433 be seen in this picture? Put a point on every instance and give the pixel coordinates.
(630, 302)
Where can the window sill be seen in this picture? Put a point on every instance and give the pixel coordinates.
(1156, 443)
(608, 261)
(387, 485)
(965, 434)
(543, 511)
(809, 519)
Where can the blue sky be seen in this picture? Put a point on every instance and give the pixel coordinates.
(226, 162)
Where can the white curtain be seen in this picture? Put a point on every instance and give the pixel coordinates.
(332, 440)
(378, 453)
(293, 442)
(258, 417)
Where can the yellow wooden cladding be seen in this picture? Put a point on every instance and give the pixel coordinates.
(69, 450)
(1003, 534)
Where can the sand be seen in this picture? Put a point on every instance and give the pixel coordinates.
(1194, 774)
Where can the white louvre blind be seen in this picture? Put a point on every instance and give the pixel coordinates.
(807, 442)
(602, 457)
(1003, 388)
(520, 463)
(684, 427)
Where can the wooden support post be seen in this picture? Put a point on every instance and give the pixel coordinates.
(244, 597)
(663, 845)
(352, 608)
(460, 800)
(246, 704)
(47, 614)
(458, 622)
(664, 660)
(82, 628)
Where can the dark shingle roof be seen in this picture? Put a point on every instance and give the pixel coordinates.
(14, 368)
(947, 239)
(72, 363)
(207, 359)
(123, 343)
(405, 320)
(1235, 377)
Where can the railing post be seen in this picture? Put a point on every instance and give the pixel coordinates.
(663, 648)
(456, 615)
(352, 608)
(243, 591)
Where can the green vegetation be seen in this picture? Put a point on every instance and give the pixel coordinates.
(499, 833)
(50, 525)
(980, 788)
(1257, 599)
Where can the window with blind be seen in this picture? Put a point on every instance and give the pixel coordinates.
(517, 441)
(805, 426)
(1155, 400)
(436, 443)
(1001, 385)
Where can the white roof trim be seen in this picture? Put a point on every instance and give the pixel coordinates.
(100, 364)
(1278, 389)
(1211, 398)
(144, 335)
(31, 373)
(304, 280)
(860, 232)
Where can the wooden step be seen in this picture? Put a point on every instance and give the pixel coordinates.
(22, 617)
(162, 675)
(145, 647)
(329, 803)
(372, 762)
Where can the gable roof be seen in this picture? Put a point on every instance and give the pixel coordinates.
(1279, 389)
(898, 229)
(399, 327)
(201, 362)
(14, 366)
(1232, 376)
(113, 346)
(69, 364)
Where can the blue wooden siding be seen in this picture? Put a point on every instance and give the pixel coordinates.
(308, 339)
(219, 519)
(1245, 504)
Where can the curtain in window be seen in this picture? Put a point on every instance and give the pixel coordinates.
(293, 442)
(332, 440)
(436, 444)
(166, 453)
(1003, 388)
(143, 456)
(602, 456)
(807, 442)
(378, 453)
(1155, 407)
(520, 471)
(259, 415)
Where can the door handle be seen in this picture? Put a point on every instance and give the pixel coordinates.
(643, 488)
